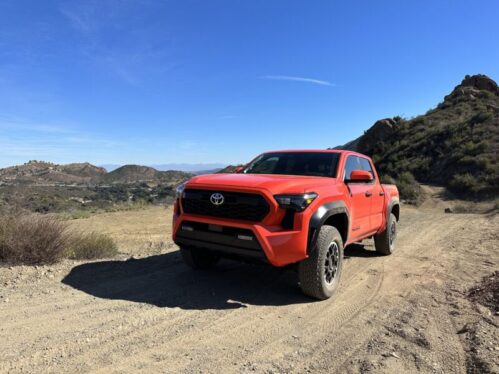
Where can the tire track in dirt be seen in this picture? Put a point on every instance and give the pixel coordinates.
(347, 309)
(241, 317)
(112, 323)
(170, 322)
(343, 350)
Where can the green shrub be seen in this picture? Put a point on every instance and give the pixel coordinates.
(409, 188)
(463, 183)
(92, 245)
(481, 117)
(386, 179)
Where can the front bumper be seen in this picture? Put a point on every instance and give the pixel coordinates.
(278, 246)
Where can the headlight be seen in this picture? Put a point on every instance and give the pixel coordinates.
(296, 202)
(179, 190)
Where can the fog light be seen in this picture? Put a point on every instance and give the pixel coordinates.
(244, 237)
(187, 228)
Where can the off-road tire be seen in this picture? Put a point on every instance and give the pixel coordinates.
(314, 271)
(384, 242)
(199, 259)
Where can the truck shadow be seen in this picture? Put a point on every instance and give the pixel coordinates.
(164, 281)
(360, 250)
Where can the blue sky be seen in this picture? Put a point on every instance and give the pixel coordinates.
(154, 82)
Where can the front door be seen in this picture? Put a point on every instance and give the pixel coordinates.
(377, 198)
(361, 196)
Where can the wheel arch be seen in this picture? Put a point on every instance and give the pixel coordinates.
(393, 207)
(396, 210)
(333, 214)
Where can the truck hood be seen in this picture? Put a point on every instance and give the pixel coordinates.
(275, 184)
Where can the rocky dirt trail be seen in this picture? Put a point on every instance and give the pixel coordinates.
(403, 313)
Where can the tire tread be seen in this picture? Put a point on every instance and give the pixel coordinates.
(382, 240)
(310, 270)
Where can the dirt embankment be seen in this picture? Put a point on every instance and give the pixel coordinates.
(404, 313)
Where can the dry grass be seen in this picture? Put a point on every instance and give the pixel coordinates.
(135, 232)
(86, 246)
(36, 239)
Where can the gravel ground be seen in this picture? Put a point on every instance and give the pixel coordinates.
(147, 312)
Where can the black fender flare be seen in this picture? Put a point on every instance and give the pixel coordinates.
(393, 202)
(320, 216)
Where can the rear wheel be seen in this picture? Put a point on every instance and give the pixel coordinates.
(198, 259)
(385, 242)
(319, 274)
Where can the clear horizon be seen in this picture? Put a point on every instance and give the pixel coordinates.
(218, 82)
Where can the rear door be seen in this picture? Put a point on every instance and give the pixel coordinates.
(377, 198)
(360, 196)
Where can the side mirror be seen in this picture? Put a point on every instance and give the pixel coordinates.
(239, 169)
(360, 176)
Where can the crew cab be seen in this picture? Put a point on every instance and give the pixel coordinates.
(293, 207)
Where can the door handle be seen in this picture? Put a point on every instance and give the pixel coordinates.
(369, 193)
(381, 193)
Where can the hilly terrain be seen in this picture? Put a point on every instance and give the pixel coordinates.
(137, 173)
(41, 172)
(46, 172)
(454, 145)
(82, 188)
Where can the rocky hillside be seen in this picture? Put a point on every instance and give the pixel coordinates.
(454, 145)
(137, 173)
(80, 189)
(40, 172)
(229, 169)
(43, 173)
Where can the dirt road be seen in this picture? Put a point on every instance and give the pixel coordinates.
(402, 313)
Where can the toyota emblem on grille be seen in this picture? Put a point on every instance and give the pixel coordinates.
(217, 198)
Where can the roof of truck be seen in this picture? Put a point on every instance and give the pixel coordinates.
(316, 151)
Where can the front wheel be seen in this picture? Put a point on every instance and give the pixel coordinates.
(384, 242)
(319, 274)
(198, 259)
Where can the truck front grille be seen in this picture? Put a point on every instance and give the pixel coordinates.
(236, 205)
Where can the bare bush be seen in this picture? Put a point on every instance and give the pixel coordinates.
(32, 239)
(36, 239)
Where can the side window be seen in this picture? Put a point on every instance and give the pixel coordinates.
(366, 165)
(351, 164)
(266, 167)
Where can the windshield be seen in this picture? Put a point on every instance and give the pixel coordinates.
(320, 164)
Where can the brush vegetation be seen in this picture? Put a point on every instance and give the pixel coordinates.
(453, 145)
(34, 239)
(85, 246)
(83, 189)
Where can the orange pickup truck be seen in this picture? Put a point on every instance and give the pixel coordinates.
(297, 207)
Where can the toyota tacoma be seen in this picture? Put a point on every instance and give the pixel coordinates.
(300, 207)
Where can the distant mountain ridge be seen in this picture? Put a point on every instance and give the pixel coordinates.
(42, 172)
(454, 144)
(138, 173)
(189, 168)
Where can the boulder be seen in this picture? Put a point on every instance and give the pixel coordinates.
(380, 131)
(480, 82)
(472, 86)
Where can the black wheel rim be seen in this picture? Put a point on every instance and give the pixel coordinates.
(331, 263)
(393, 232)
